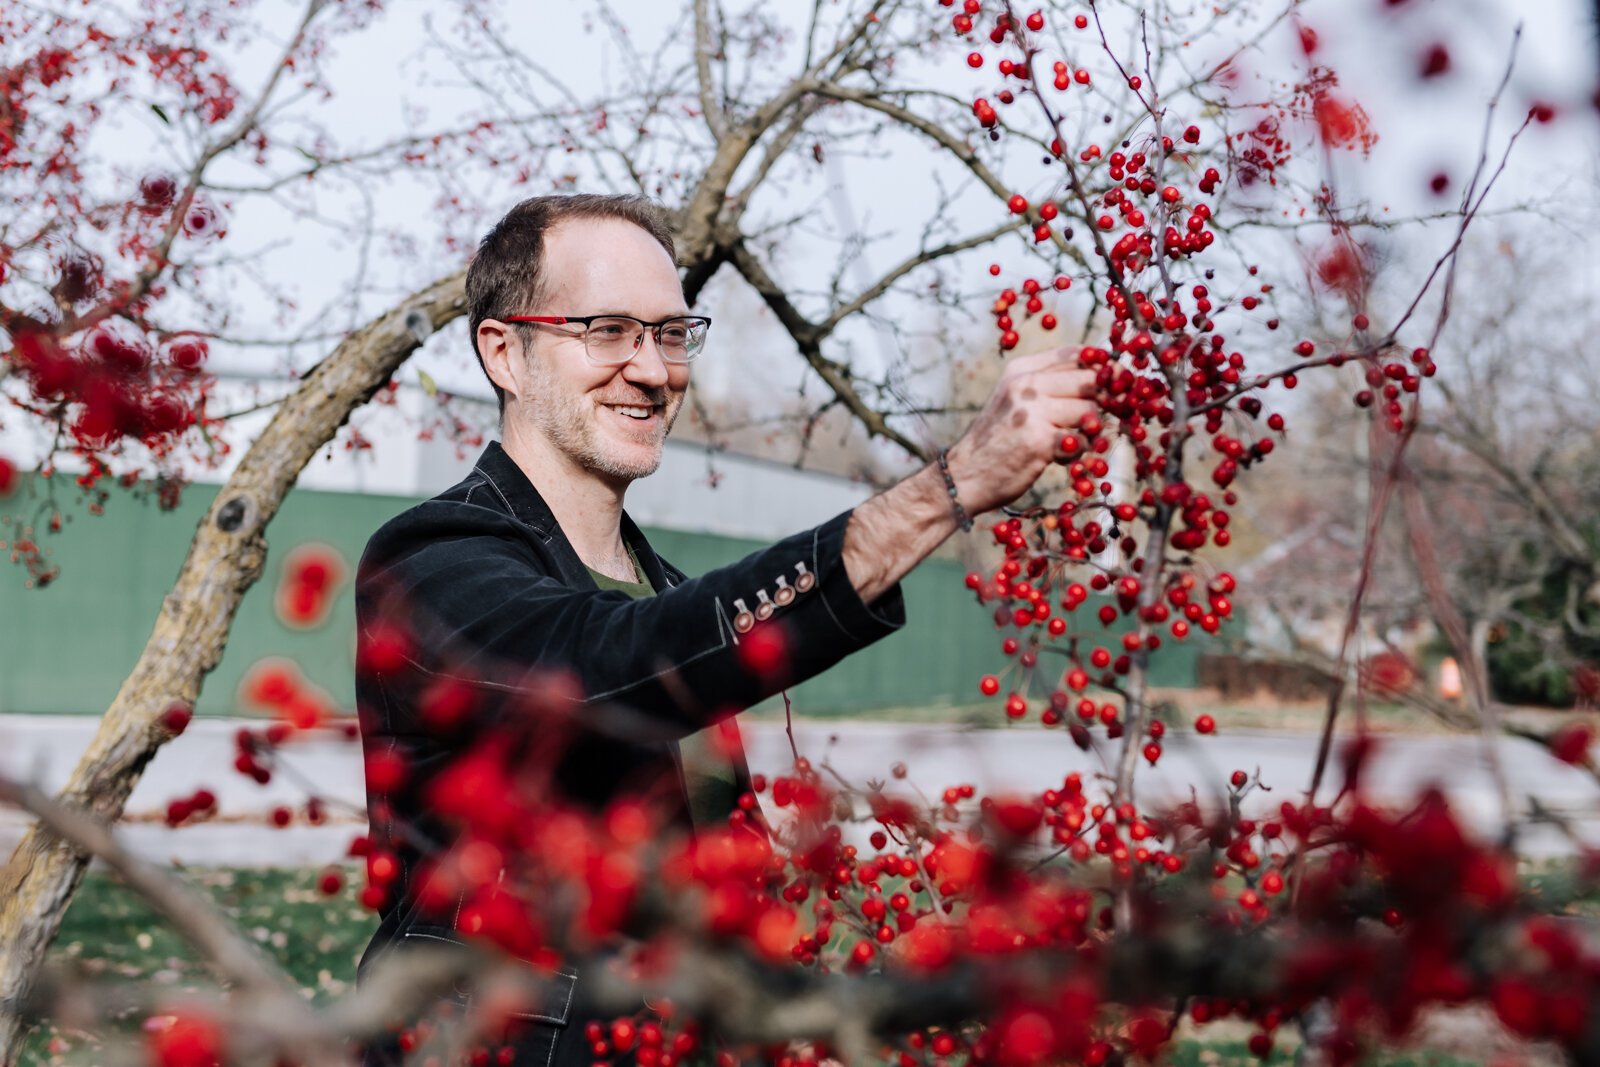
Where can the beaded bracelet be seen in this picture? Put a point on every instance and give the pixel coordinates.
(962, 517)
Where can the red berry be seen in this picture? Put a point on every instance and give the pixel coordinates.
(974, 60)
(158, 191)
(1435, 61)
(176, 718)
(1570, 744)
(1239, 778)
(1205, 724)
(1018, 204)
(988, 685)
(187, 354)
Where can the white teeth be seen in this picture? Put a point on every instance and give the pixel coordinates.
(633, 413)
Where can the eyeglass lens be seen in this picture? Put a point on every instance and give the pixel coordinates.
(615, 340)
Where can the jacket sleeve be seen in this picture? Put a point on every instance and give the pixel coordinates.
(469, 580)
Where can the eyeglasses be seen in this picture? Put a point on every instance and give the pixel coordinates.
(612, 340)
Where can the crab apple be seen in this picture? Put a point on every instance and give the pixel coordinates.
(385, 771)
(187, 353)
(1570, 744)
(974, 60)
(383, 649)
(157, 191)
(1205, 724)
(1238, 779)
(1081, 21)
(1152, 752)
(1018, 204)
(988, 685)
(200, 220)
(188, 1039)
(176, 718)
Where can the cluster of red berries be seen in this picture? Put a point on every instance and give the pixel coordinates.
(120, 386)
(1023, 590)
(276, 685)
(312, 574)
(199, 804)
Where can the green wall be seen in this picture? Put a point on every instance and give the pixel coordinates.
(67, 646)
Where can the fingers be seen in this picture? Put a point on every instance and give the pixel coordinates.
(1047, 357)
(1065, 381)
(1065, 414)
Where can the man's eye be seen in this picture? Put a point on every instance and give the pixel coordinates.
(675, 335)
(608, 331)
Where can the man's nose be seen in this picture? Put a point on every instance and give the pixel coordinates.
(647, 367)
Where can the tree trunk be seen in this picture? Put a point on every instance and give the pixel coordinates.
(225, 559)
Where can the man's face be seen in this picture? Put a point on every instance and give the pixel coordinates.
(612, 421)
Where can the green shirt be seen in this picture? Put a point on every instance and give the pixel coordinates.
(708, 770)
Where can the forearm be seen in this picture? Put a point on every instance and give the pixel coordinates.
(895, 530)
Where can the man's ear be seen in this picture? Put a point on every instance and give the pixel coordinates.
(501, 351)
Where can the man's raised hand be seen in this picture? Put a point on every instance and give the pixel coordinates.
(1039, 399)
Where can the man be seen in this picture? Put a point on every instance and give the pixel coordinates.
(579, 320)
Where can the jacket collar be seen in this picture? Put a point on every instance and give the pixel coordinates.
(523, 501)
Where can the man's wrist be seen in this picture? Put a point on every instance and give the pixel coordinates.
(963, 519)
(895, 530)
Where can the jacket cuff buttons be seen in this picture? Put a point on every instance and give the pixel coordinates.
(745, 619)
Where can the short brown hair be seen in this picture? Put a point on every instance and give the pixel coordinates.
(507, 274)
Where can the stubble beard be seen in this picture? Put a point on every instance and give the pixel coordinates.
(569, 422)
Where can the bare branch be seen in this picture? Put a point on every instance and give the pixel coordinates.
(808, 339)
(710, 106)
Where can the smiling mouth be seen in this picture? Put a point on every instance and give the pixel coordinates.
(636, 412)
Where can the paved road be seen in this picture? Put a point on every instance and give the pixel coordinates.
(1022, 760)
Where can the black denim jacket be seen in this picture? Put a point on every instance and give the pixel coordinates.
(492, 592)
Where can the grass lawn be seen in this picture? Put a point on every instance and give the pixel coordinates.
(111, 936)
